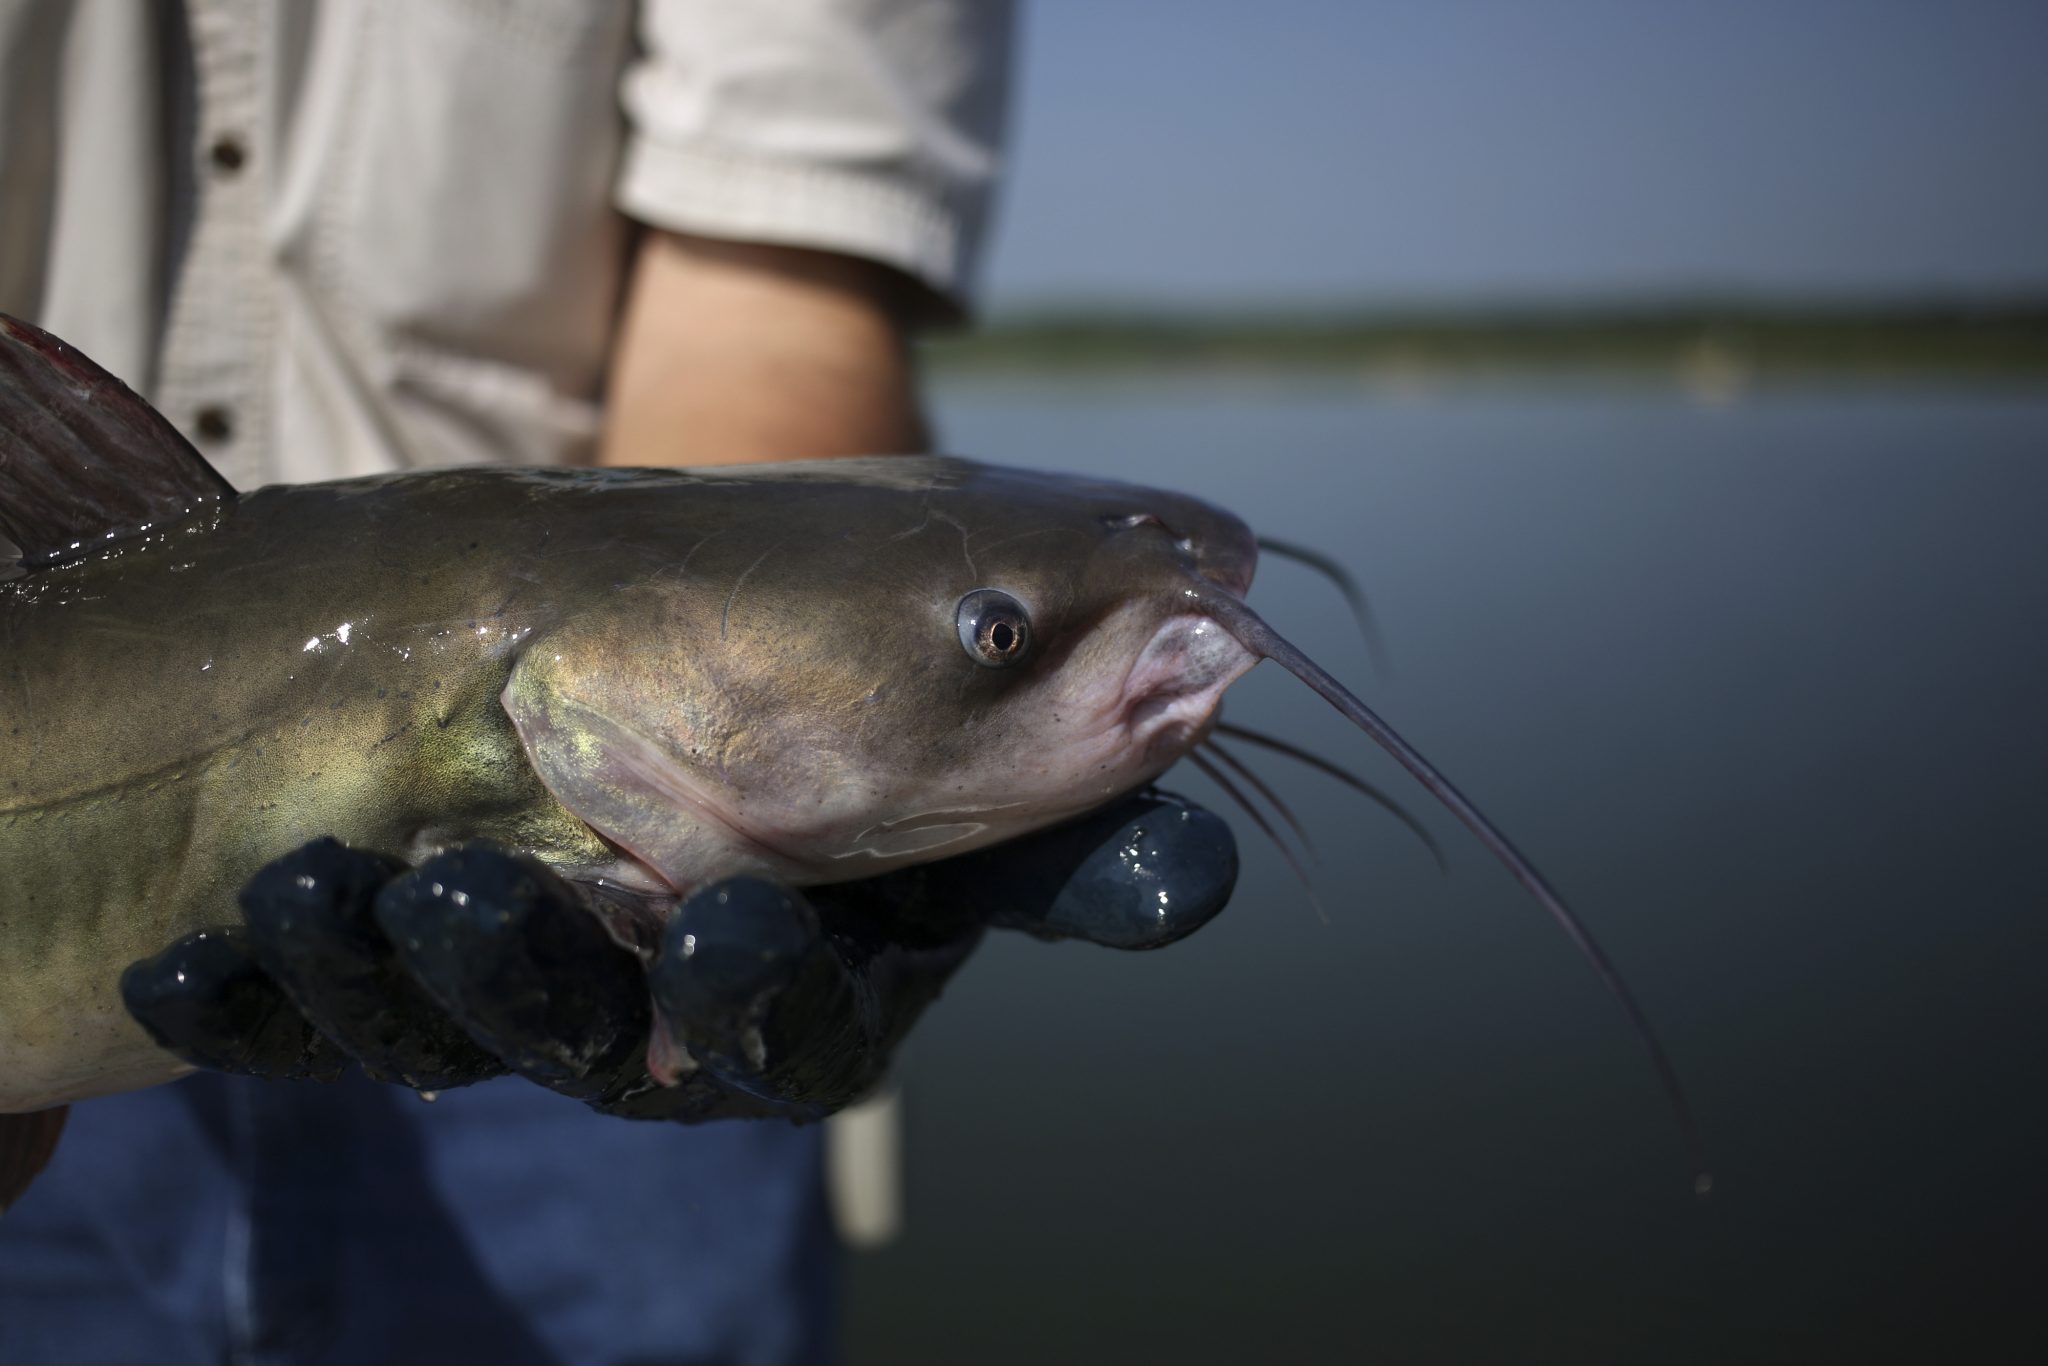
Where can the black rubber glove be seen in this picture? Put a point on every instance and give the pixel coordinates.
(759, 1000)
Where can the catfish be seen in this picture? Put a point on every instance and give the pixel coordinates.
(645, 679)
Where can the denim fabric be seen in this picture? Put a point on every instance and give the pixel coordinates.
(224, 1220)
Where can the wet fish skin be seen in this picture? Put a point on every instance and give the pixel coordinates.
(413, 661)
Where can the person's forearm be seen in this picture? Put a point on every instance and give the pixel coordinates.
(731, 352)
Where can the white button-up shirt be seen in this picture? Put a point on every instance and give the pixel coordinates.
(334, 237)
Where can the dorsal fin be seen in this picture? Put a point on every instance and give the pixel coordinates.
(84, 461)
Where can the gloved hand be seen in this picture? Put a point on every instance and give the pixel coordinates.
(759, 1000)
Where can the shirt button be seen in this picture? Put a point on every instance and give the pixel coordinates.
(227, 153)
(214, 423)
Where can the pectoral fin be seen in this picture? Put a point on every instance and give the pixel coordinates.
(26, 1142)
(84, 461)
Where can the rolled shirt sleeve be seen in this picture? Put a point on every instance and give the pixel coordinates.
(868, 127)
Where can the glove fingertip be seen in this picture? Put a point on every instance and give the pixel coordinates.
(205, 1001)
(512, 953)
(311, 927)
(1166, 873)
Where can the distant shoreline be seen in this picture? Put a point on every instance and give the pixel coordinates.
(1707, 345)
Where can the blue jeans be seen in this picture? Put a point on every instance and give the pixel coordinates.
(225, 1220)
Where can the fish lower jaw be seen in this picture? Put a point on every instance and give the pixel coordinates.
(1161, 741)
(1174, 722)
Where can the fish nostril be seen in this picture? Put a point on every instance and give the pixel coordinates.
(1130, 521)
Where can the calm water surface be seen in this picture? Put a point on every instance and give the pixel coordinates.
(1762, 689)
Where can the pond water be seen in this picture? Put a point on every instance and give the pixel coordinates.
(1760, 685)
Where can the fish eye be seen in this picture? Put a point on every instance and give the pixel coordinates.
(995, 630)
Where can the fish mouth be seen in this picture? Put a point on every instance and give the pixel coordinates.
(1170, 695)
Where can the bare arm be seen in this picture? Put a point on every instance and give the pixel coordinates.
(731, 352)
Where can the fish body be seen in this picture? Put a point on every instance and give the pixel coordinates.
(648, 679)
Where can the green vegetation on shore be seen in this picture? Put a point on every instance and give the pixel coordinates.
(1707, 345)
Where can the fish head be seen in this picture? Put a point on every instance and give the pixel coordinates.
(856, 665)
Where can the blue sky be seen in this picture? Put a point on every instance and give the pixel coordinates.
(1224, 152)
